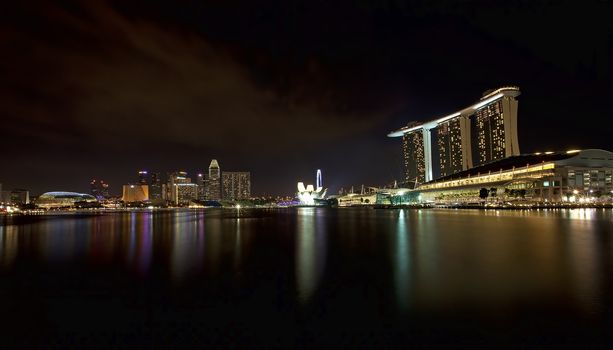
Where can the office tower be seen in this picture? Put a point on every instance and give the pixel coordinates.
(155, 188)
(143, 177)
(200, 181)
(478, 134)
(236, 185)
(174, 179)
(318, 179)
(214, 181)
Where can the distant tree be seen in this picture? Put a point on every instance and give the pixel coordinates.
(483, 193)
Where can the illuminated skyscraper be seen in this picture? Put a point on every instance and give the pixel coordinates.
(214, 181)
(201, 181)
(174, 180)
(495, 128)
(413, 157)
(236, 185)
(451, 135)
(318, 179)
(155, 188)
(143, 177)
(483, 132)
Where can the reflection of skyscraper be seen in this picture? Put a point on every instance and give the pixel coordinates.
(214, 181)
(236, 185)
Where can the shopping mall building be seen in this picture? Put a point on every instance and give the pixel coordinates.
(572, 176)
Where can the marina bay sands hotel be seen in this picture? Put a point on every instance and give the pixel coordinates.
(478, 134)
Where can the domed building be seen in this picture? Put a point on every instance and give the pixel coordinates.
(61, 199)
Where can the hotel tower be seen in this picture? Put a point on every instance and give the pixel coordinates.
(481, 133)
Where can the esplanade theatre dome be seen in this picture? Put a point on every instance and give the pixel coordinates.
(62, 199)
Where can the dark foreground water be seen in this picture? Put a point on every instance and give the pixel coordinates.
(308, 278)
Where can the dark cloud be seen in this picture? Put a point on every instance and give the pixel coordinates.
(124, 83)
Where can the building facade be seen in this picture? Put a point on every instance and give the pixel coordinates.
(495, 130)
(135, 193)
(156, 193)
(484, 132)
(179, 188)
(414, 158)
(449, 140)
(236, 185)
(214, 181)
(572, 177)
(15, 197)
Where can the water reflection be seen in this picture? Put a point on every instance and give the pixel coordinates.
(440, 259)
(9, 241)
(402, 262)
(187, 245)
(310, 251)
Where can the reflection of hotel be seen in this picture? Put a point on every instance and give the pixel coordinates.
(476, 135)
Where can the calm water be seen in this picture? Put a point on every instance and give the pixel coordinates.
(308, 278)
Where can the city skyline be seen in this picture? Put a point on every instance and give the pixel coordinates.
(95, 90)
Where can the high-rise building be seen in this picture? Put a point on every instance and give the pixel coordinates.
(16, 197)
(156, 193)
(174, 179)
(180, 188)
(495, 129)
(483, 132)
(413, 157)
(236, 185)
(318, 179)
(200, 181)
(143, 177)
(214, 181)
(449, 140)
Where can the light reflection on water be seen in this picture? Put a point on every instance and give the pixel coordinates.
(431, 259)
(310, 251)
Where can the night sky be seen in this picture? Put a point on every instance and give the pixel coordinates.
(279, 88)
